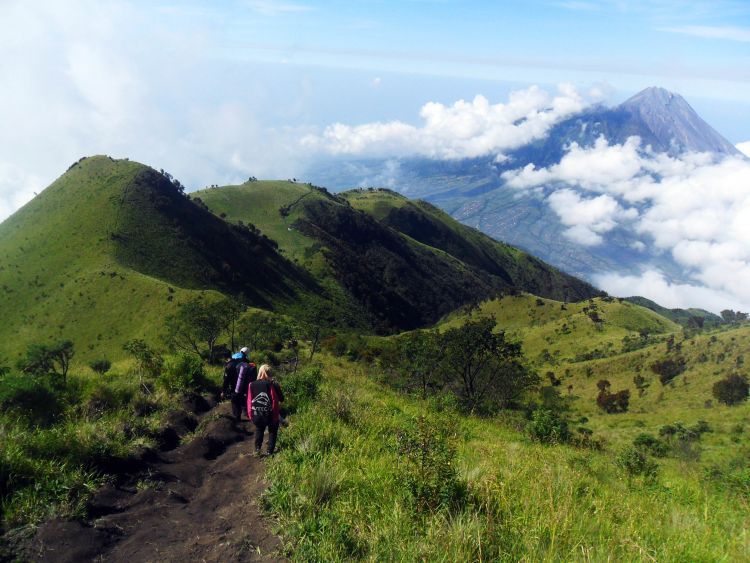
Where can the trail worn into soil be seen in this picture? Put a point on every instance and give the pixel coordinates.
(196, 502)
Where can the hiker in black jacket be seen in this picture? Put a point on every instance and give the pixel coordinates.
(264, 400)
(239, 371)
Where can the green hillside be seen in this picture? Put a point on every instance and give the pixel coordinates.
(402, 277)
(429, 225)
(111, 247)
(562, 339)
(684, 317)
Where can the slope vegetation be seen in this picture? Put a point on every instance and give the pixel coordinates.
(404, 263)
(111, 247)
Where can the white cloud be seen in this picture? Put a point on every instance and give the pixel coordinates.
(655, 286)
(462, 130)
(744, 148)
(695, 207)
(727, 32)
(86, 77)
(587, 218)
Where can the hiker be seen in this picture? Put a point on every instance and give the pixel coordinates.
(263, 407)
(239, 371)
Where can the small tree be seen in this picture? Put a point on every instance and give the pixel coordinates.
(485, 368)
(418, 357)
(313, 322)
(199, 322)
(149, 361)
(100, 366)
(731, 390)
(54, 360)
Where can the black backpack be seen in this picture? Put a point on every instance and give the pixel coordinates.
(262, 404)
(230, 375)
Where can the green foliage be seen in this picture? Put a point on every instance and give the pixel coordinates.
(183, 373)
(668, 368)
(548, 427)
(198, 324)
(148, 360)
(42, 359)
(417, 360)
(634, 463)
(263, 331)
(32, 399)
(484, 368)
(101, 366)
(650, 444)
(731, 390)
(428, 465)
(301, 389)
(613, 402)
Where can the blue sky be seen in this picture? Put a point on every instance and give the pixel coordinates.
(700, 49)
(216, 91)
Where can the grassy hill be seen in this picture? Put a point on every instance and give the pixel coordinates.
(111, 247)
(405, 264)
(564, 340)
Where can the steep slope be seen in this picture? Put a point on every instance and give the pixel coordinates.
(111, 247)
(429, 225)
(405, 268)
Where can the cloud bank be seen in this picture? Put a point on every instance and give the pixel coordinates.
(461, 130)
(86, 77)
(694, 207)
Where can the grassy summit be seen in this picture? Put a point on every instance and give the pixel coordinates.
(110, 248)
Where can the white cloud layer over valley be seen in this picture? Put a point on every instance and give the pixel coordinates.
(695, 207)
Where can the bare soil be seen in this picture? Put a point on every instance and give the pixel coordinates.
(195, 502)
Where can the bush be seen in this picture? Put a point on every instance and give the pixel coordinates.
(612, 403)
(31, 398)
(428, 453)
(731, 390)
(547, 427)
(183, 373)
(301, 388)
(669, 368)
(635, 463)
(100, 366)
(650, 444)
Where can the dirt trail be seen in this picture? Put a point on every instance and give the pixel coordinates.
(199, 504)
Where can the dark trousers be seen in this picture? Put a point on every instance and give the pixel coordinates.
(238, 405)
(260, 427)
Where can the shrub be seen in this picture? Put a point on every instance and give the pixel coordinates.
(183, 373)
(101, 366)
(33, 399)
(548, 427)
(613, 402)
(301, 388)
(731, 390)
(669, 368)
(650, 444)
(635, 463)
(428, 455)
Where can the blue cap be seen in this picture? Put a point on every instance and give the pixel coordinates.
(237, 356)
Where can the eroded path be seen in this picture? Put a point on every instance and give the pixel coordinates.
(197, 502)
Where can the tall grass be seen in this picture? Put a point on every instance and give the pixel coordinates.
(340, 491)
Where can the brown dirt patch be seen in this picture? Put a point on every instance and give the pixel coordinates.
(196, 502)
